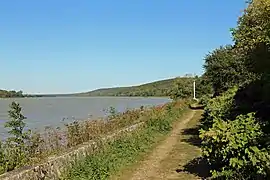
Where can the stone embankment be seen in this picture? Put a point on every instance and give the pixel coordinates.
(54, 167)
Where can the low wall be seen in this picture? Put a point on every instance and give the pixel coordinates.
(53, 167)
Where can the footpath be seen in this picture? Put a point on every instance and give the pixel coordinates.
(175, 157)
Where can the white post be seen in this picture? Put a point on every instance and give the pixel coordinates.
(194, 93)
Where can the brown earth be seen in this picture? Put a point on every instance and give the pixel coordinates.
(170, 158)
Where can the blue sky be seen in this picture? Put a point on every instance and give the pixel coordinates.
(58, 46)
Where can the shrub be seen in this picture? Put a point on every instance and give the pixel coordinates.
(219, 108)
(15, 150)
(233, 148)
(204, 100)
(159, 122)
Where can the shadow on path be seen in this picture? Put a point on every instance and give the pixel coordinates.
(198, 167)
(193, 136)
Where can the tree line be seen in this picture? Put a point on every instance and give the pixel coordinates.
(10, 94)
(15, 94)
(235, 125)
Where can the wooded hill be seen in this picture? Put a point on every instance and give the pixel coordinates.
(157, 88)
(173, 87)
(179, 87)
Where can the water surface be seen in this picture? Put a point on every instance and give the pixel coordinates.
(56, 111)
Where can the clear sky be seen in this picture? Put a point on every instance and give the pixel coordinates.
(62, 46)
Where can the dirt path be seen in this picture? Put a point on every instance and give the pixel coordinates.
(150, 167)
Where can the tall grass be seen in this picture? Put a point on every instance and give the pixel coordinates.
(37, 147)
(126, 148)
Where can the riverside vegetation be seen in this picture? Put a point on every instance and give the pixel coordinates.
(25, 147)
(10, 94)
(125, 149)
(235, 126)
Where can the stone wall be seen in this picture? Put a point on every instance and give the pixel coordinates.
(53, 167)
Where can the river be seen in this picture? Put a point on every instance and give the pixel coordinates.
(57, 111)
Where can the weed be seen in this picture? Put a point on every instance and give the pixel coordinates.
(125, 149)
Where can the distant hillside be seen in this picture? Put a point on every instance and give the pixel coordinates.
(174, 88)
(157, 88)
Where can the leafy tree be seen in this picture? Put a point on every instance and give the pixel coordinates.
(182, 88)
(16, 145)
(252, 42)
(16, 123)
(252, 38)
(236, 140)
(222, 69)
(203, 86)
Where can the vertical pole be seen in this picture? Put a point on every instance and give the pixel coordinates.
(194, 93)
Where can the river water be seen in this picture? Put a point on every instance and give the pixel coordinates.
(57, 111)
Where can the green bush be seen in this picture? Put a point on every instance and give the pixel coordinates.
(204, 100)
(233, 148)
(159, 123)
(234, 141)
(219, 108)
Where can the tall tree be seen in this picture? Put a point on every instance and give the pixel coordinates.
(222, 69)
(252, 37)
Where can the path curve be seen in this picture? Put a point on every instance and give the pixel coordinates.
(149, 168)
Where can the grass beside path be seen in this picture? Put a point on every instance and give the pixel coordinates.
(125, 150)
(176, 157)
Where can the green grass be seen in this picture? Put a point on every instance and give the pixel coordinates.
(182, 162)
(126, 149)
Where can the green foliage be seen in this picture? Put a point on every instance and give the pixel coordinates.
(223, 70)
(14, 151)
(233, 148)
(112, 113)
(253, 29)
(252, 40)
(175, 88)
(27, 148)
(126, 148)
(182, 88)
(10, 94)
(159, 123)
(219, 107)
(235, 140)
(204, 87)
(17, 124)
(204, 100)
(112, 156)
(158, 88)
